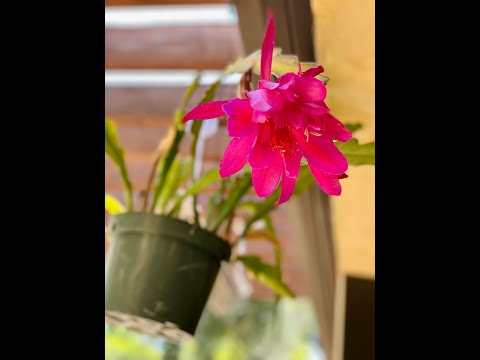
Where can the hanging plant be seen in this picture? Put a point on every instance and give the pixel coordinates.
(162, 263)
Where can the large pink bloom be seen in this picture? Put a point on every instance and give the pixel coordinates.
(277, 125)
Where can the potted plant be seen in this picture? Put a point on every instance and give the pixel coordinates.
(162, 264)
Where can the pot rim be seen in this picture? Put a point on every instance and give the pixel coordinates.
(191, 234)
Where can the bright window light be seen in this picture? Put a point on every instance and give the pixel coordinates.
(163, 78)
(169, 15)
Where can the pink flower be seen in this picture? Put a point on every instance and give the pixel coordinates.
(277, 125)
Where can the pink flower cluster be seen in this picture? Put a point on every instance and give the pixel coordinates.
(277, 125)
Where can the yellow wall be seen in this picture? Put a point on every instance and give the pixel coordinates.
(345, 46)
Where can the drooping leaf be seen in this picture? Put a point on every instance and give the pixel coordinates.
(242, 65)
(282, 64)
(265, 206)
(116, 153)
(231, 202)
(353, 126)
(195, 130)
(179, 171)
(188, 94)
(208, 178)
(357, 154)
(216, 199)
(265, 273)
(263, 234)
(270, 230)
(277, 248)
(113, 206)
(164, 167)
(166, 161)
(260, 209)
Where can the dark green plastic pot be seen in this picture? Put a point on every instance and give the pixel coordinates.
(161, 269)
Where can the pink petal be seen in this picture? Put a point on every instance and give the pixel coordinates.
(292, 161)
(258, 117)
(335, 128)
(291, 114)
(265, 180)
(235, 155)
(322, 154)
(288, 186)
(208, 110)
(239, 121)
(309, 89)
(269, 85)
(314, 110)
(314, 71)
(262, 155)
(264, 133)
(265, 100)
(328, 183)
(286, 80)
(280, 119)
(267, 50)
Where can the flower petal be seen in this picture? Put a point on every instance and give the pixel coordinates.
(267, 50)
(288, 186)
(309, 90)
(328, 183)
(286, 80)
(314, 110)
(313, 71)
(262, 155)
(269, 85)
(258, 117)
(321, 153)
(265, 100)
(239, 121)
(292, 161)
(265, 180)
(335, 129)
(208, 110)
(235, 155)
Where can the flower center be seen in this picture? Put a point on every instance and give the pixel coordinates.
(281, 138)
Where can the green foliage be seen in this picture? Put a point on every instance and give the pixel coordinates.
(178, 174)
(262, 208)
(166, 162)
(357, 154)
(227, 207)
(195, 130)
(266, 274)
(165, 166)
(116, 153)
(208, 178)
(353, 126)
(113, 206)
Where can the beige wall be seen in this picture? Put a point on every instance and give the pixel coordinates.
(345, 46)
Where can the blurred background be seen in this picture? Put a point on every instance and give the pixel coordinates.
(153, 49)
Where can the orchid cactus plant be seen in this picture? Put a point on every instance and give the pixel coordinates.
(282, 128)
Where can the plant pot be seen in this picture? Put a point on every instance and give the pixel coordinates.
(160, 270)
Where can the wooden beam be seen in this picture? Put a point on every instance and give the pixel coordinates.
(161, 2)
(154, 102)
(172, 47)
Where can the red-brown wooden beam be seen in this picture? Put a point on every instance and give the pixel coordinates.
(161, 2)
(154, 102)
(172, 47)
